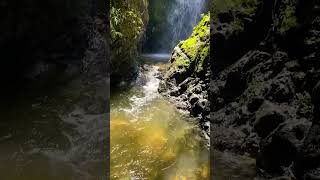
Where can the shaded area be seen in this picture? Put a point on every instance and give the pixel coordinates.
(265, 78)
(54, 96)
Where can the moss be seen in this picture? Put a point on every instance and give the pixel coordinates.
(288, 19)
(240, 8)
(189, 56)
(198, 39)
(127, 24)
(244, 7)
(204, 54)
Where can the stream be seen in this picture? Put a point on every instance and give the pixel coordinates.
(149, 137)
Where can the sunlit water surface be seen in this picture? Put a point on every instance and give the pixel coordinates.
(150, 139)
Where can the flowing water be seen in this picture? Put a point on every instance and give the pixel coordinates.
(149, 138)
(184, 15)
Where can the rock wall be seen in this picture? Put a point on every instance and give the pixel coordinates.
(186, 81)
(265, 84)
(128, 23)
(41, 40)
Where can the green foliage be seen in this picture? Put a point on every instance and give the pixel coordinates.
(191, 54)
(244, 7)
(286, 18)
(127, 24)
(195, 42)
(238, 8)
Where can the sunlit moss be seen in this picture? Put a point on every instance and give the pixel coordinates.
(204, 54)
(190, 54)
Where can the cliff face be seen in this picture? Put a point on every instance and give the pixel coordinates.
(42, 39)
(186, 81)
(128, 23)
(265, 84)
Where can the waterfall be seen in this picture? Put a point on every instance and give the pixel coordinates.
(184, 15)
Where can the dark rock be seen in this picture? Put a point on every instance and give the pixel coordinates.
(225, 17)
(276, 152)
(268, 118)
(313, 174)
(174, 92)
(193, 99)
(255, 104)
(235, 85)
(265, 89)
(282, 88)
(198, 107)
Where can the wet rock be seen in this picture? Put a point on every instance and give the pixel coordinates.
(186, 82)
(268, 118)
(276, 152)
(198, 107)
(282, 89)
(193, 99)
(255, 103)
(265, 86)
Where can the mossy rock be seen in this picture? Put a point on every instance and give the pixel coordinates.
(127, 23)
(190, 57)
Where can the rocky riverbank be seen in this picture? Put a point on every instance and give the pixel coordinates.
(186, 81)
(265, 85)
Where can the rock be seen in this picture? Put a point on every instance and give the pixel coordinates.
(282, 89)
(186, 82)
(193, 99)
(313, 174)
(198, 107)
(268, 118)
(264, 88)
(255, 104)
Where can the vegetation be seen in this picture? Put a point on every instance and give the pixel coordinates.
(240, 8)
(127, 24)
(286, 18)
(190, 55)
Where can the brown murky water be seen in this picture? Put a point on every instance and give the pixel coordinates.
(150, 139)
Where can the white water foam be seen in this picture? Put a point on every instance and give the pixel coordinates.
(149, 92)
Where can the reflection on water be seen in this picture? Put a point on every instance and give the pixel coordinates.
(150, 139)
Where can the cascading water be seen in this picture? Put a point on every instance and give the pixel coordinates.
(171, 21)
(184, 15)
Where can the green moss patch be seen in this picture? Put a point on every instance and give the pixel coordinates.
(189, 56)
